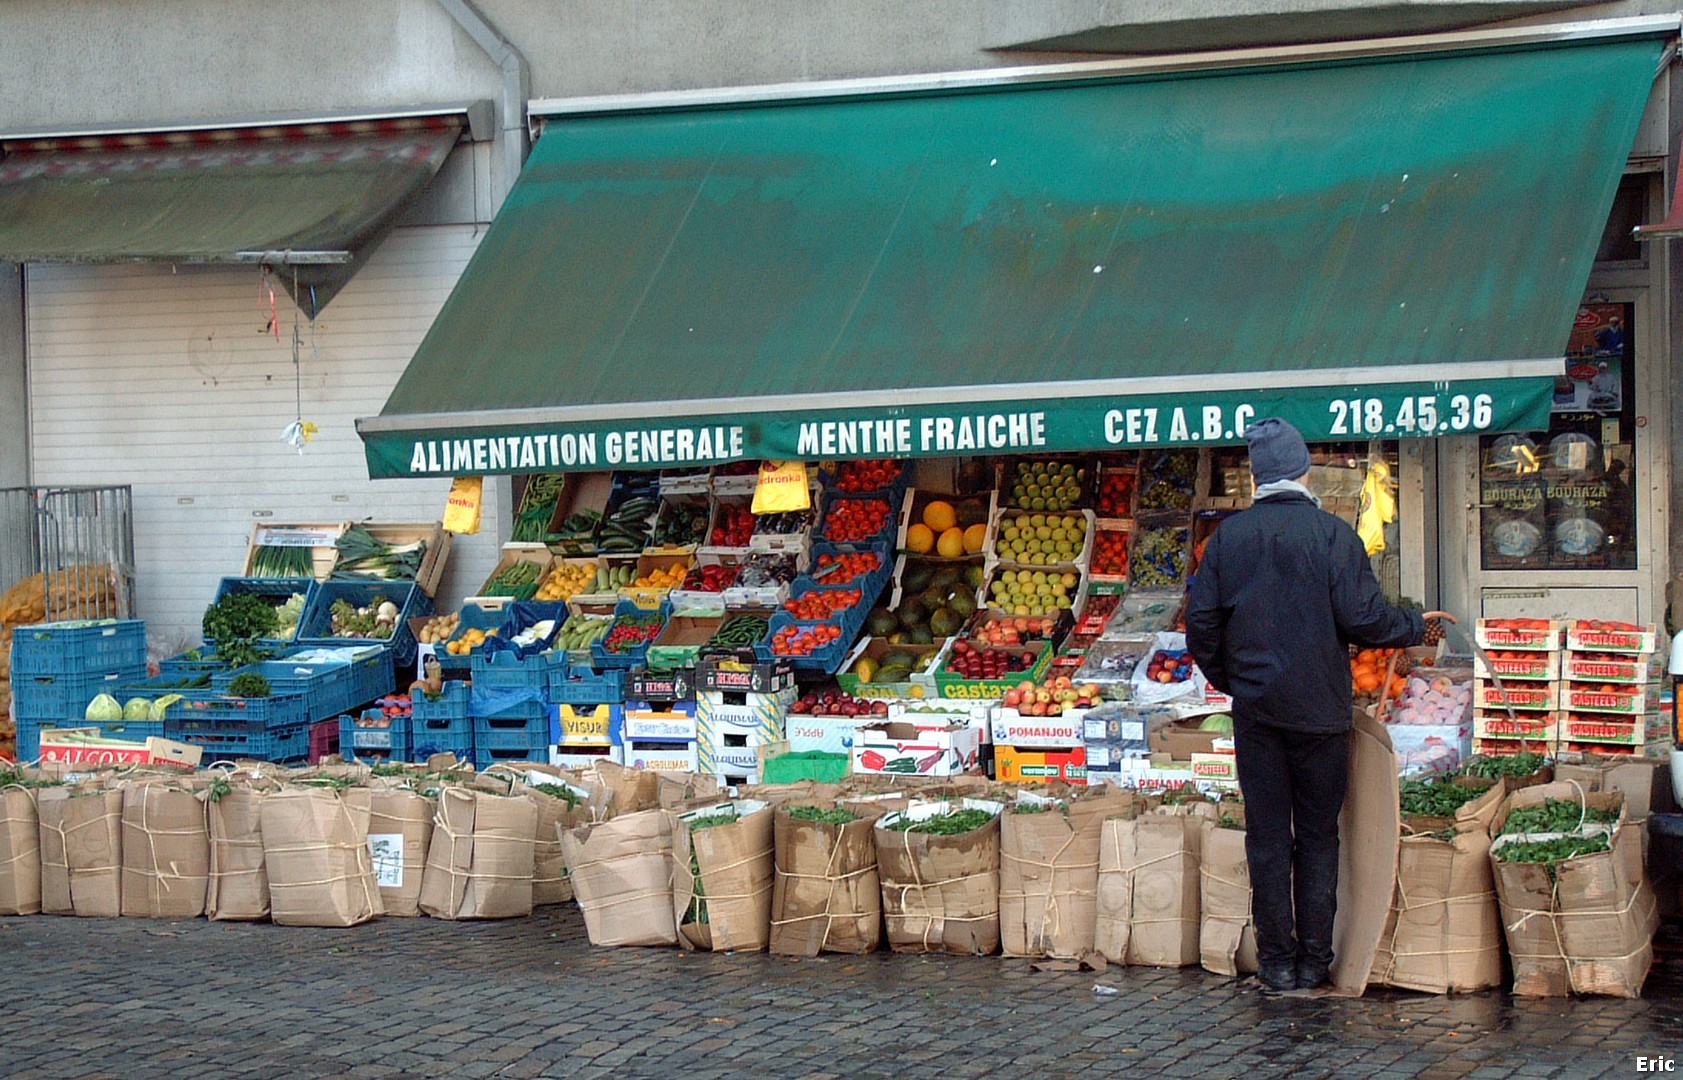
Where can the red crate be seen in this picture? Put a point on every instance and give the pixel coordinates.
(324, 739)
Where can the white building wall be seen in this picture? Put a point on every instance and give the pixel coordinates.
(165, 379)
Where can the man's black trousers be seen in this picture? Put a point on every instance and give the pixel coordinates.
(1294, 785)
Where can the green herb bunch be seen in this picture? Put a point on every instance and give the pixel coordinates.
(556, 791)
(1434, 798)
(837, 816)
(955, 823)
(248, 684)
(1555, 816)
(237, 622)
(1494, 768)
(1551, 853)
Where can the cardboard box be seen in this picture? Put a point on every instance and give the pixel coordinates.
(898, 748)
(919, 684)
(319, 537)
(661, 756)
(86, 746)
(1582, 635)
(668, 726)
(580, 491)
(582, 757)
(952, 685)
(742, 676)
(1634, 700)
(824, 734)
(1601, 668)
(1155, 773)
(680, 641)
(1182, 739)
(1012, 728)
(1533, 667)
(1521, 725)
(399, 533)
(1017, 765)
(514, 554)
(1526, 696)
(670, 686)
(1604, 728)
(1223, 768)
(1504, 746)
(1491, 634)
(582, 725)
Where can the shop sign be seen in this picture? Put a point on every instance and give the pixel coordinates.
(1079, 424)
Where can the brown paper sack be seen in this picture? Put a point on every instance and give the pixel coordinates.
(315, 849)
(1049, 874)
(1588, 927)
(721, 877)
(480, 862)
(1367, 856)
(1148, 889)
(1226, 934)
(551, 884)
(399, 830)
(239, 885)
(81, 851)
(940, 893)
(622, 878)
(825, 896)
(166, 852)
(1636, 777)
(20, 852)
(630, 791)
(1444, 933)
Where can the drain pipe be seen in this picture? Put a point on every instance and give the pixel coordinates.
(517, 86)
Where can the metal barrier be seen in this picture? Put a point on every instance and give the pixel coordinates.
(82, 538)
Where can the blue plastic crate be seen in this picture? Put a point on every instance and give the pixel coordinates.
(29, 739)
(827, 659)
(472, 617)
(277, 711)
(883, 536)
(65, 697)
(373, 734)
(850, 619)
(575, 684)
(227, 740)
(72, 649)
(634, 657)
(128, 730)
(506, 671)
(276, 589)
(883, 573)
(442, 726)
(317, 625)
(329, 689)
(192, 663)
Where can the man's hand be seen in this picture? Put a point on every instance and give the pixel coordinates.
(1445, 616)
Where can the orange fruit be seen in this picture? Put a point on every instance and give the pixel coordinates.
(951, 543)
(940, 516)
(974, 537)
(920, 538)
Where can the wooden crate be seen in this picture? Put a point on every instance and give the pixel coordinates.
(408, 532)
(317, 536)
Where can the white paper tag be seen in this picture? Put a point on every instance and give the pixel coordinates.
(387, 852)
(1133, 730)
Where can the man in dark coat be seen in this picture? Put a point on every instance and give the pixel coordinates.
(1283, 590)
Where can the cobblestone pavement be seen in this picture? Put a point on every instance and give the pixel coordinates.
(134, 998)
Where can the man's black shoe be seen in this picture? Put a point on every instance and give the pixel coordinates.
(1280, 978)
(1312, 976)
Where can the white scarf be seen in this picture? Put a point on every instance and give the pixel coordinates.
(1279, 487)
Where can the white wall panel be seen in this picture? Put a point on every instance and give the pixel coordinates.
(165, 379)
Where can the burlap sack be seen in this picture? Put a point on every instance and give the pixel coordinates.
(940, 893)
(399, 831)
(825, 896)
(722, 877)
(1226, 934)
(315, 849)
(20, 852)
(166, 851)
(622, 878)
(1049, 872)
(239, 884)
(1587, 927)
(1444, 932)
(480, 860)
(1148, 888)
(81, 851)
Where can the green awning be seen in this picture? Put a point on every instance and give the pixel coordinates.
(216, 197)
(1391, 245)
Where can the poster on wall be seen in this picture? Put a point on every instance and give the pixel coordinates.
(1596, 356)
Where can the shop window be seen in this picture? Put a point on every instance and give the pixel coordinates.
(1565, 498)
(1630, 209)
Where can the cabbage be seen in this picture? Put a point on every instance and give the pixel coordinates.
(137, 708)
(104, 707)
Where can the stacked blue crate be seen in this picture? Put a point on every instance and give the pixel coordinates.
(57, 668)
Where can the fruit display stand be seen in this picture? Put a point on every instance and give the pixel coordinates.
(703, 588)
(568, 577)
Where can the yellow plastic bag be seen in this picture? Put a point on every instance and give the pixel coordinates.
(461, 509)
(782, 488)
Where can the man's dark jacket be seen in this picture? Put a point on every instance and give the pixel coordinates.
(1283, 589)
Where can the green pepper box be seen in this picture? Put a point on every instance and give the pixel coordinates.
(951, 685)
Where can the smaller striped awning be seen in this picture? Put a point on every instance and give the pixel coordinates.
(311, 196)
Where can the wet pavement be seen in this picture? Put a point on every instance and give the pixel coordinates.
(134, 998)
